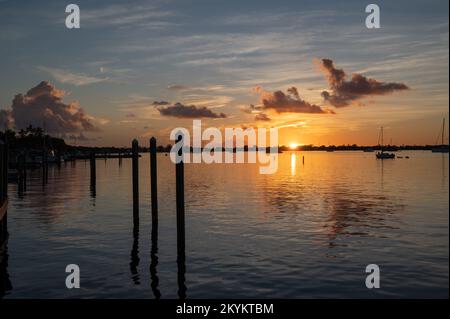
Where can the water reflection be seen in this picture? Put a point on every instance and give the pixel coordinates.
(353, 215)
(154, 261)
(181, 263)
(5, 283)
(346, 207)
(293, 164)
(134, 262)
(281, 225)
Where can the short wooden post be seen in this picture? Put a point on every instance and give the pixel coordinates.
(3, 191)
(44, 166)
(20, 173)
(135, 169)
(24, 165)
(5, 169)
(3, 172)
(93, 173)
(303, 159)
(58, 159)
(153, 181)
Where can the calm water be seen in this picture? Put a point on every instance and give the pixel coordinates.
(307, 231)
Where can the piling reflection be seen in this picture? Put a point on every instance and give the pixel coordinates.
(181, 263)
(93, 189)
(134, 260)
(154, 261)
(5, 283)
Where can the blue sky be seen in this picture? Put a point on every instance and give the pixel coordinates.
(212, 54)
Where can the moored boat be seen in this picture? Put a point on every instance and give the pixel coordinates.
(382, 154)
(441, 148)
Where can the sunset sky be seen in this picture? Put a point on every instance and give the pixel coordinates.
(141, 68)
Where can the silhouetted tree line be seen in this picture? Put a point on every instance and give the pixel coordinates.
(35, 138)
(32, 138)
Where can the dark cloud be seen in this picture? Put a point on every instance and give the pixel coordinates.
(189, 111)
(262, 117)
(343, 93)
(157, 103)
(287, 102)
(43, 106)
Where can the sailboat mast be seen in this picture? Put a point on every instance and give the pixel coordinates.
(443, 128)
(382, 139)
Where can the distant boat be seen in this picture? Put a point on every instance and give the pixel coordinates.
(441, 148)
(368, 149)
(382, 154)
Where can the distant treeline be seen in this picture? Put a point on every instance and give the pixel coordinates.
(34, 138)
(355, 147)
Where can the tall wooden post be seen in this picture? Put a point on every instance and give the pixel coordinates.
(135, 169)
(179, 167)
(154, 236)
(153, 181)
(181, 257)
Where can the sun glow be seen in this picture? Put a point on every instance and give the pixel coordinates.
(293, 146)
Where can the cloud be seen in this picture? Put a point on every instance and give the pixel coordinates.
(262, 117)
(189, 111)
(43, 106)
(289, 102)
(177, 87)
(158, 103)
(344, 93)
(144, 16)
(71, 78)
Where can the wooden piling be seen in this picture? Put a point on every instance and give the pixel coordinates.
(44, 166)
(24, 165)
(179, 168)
(93, 174)
(303, 159)
(153, 181)
(135, 169)
(20, 173)
(3, 189)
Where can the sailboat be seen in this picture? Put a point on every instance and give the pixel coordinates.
(441, 148)
(382, 154)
